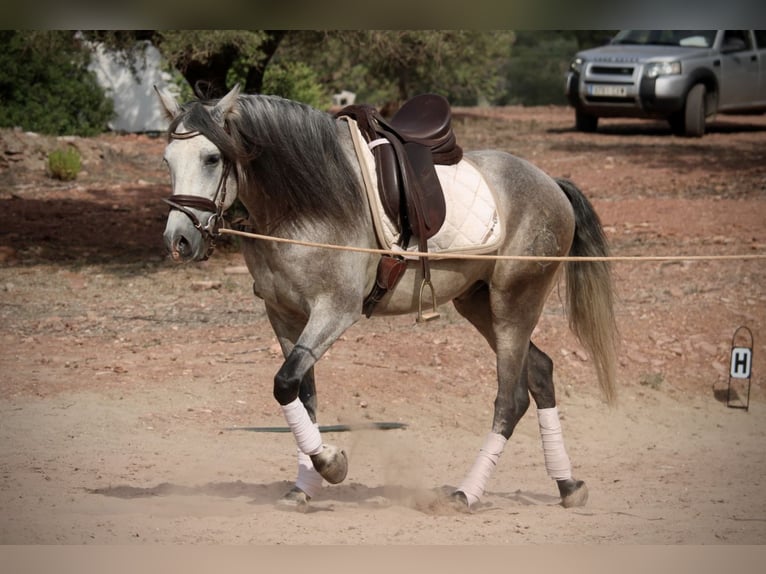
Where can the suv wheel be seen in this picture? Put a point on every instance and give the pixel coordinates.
(690, 121)
(695, 111)
(585, 122)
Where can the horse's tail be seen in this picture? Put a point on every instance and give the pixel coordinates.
(590, 297)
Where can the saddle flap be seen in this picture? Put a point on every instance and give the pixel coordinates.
(426, 203)
(389, 181)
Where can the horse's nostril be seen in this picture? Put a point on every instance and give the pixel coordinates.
(180, 248)
(183, 246)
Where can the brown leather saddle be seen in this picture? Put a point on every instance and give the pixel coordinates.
(406, 148)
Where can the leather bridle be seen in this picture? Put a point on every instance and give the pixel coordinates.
(215, 207)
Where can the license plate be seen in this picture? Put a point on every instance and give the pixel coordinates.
(607, 90)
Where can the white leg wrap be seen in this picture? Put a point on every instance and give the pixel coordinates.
(306, 433)
(309, 480)
(473, 485)
(556, 459)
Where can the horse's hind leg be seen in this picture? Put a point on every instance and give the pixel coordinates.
(512, 399)
(557, 464)
(506, 315)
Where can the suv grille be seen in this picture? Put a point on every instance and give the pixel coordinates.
(616, 70)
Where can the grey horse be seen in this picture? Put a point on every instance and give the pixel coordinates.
(296, 171)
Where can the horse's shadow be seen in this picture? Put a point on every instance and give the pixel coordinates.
(428, 501)
(233, 489)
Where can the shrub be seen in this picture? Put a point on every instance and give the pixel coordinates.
(64, 163)
(295, 81)
(45, 85)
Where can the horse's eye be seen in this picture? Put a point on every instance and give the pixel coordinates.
(212, 159)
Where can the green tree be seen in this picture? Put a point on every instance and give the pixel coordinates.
(381, 66)
(45, 85)
(207, 59)
(540, 61)
(538, 67)
(392, 65)
(589, 38)
(295, 81)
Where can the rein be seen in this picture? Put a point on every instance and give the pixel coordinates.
(185, 203)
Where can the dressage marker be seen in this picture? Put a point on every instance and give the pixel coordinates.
(740, 369)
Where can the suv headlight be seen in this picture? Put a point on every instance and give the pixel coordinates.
(576, 65)
(662, 69)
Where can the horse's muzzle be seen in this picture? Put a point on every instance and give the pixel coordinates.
(183, 241)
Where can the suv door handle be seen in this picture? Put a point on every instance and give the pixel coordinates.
(753, 58)
(717, 63)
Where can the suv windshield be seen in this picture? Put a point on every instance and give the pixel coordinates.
(687, 38)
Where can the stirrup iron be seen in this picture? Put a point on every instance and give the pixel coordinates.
(433, 313)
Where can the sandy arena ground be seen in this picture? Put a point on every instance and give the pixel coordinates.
(122, 372)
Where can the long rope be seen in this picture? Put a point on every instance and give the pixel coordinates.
(431, 255)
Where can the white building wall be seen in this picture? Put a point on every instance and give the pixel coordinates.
(136, 106)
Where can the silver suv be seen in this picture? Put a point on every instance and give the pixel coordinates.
(682, 76)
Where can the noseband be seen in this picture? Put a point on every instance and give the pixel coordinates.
(185, 203)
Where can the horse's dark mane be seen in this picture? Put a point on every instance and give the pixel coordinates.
(286, 151)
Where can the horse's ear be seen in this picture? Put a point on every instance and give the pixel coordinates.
(226, 104)
(169, 104)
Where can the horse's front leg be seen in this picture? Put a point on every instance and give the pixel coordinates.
(329, 461)
(294, 388)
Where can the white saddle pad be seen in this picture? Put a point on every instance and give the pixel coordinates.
(471, 224)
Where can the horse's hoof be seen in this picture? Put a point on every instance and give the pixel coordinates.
(574, 493)
(459, 501)
(331, 463)
(295, 499)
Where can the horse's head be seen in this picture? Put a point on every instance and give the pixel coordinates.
(203, 178)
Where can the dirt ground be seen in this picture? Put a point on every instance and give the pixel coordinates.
(123, 374)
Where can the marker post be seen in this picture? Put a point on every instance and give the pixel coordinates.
(741, 368)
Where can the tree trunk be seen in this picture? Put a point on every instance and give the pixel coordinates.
(208, 79)
(254, 81)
